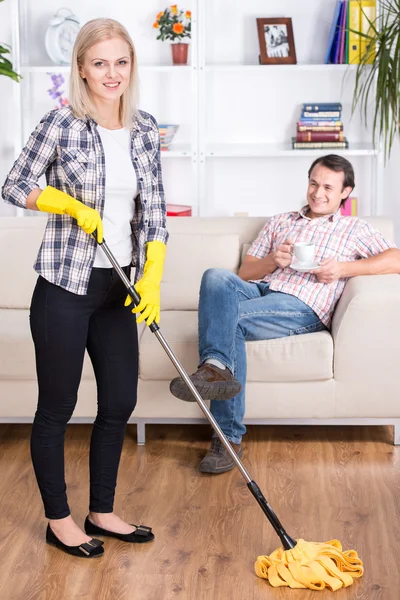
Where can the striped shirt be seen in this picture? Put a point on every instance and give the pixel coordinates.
(335, 236)
(70, 154)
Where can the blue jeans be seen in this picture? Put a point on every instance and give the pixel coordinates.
(233, 311)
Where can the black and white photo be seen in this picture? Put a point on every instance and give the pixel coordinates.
(276, 39)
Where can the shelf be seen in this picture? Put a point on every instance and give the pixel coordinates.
(220, 67)
(142, 68)
(46, 69)
(177, 151)
(262, 68)
(281, 150)
(165, 68)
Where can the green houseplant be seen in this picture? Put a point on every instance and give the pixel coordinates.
(377, 80)
(6, 67)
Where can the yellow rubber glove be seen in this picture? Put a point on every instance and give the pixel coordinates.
(56, 202)
(148, 287)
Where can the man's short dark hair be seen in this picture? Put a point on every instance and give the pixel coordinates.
(337, 163)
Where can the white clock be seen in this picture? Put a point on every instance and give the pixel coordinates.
(61, 35)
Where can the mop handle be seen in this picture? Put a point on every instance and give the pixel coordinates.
(286, 540)
(131, 290)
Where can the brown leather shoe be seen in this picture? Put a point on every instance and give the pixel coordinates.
(210, 381)
(217, 459)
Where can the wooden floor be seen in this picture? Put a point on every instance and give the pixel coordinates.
(323, 483)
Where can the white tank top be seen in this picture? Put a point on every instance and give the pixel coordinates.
(121, 191)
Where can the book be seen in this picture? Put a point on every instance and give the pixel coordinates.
(312, 136)
(322, 106)
(343, 33)
(349, 208)
(319, 129)
(334, 58)
(319, 123)
(367, 20)
(332, 31)
(319, 145)
(327, 114)
(347, 35)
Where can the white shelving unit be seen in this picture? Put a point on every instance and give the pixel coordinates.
(287, 68)
(66, 68)
(244, 150)
(279, 150)
(236, 118)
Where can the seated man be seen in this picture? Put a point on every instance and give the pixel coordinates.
(268, 299)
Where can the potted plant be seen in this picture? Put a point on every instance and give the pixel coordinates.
(377, 80)
(175, 24)
(6, 67)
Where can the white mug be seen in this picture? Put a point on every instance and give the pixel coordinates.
(304, 252)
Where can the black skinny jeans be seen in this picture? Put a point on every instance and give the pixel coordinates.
(63, 324)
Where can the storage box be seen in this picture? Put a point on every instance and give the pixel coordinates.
(178, 210)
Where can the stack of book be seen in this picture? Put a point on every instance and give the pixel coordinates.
(167, 133)
(320, 126)
(346, 45)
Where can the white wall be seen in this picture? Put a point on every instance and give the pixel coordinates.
(240, 107)
(6, 107)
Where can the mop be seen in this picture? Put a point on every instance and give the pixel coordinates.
(297, 564)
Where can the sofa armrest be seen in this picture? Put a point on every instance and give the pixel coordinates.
(366, 335)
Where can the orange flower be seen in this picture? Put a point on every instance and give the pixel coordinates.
(174, 9)
(178, 28)
(156, 25)
(188, 14)
(158, 17)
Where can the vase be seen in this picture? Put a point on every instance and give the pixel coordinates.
(179, 53)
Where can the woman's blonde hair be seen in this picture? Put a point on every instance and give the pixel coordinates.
(91, 33)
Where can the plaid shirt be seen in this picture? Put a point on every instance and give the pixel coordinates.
(70, 154)
(334, 236)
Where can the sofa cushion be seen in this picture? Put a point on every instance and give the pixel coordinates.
(188, 256)
(180, 331)
(17, 354)
(307, 357)
(18, 249)
(244, 251)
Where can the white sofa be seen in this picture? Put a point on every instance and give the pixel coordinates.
(345, 377)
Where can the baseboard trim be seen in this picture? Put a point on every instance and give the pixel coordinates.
(141, 423)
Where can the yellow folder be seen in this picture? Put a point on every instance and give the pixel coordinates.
(367, 15)
(361, 12)
(354, 9)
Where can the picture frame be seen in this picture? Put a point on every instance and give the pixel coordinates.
(275, 36)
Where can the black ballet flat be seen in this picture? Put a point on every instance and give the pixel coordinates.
(90, 549)
(141, 535)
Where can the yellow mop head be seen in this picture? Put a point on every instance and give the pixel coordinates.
(311, 565)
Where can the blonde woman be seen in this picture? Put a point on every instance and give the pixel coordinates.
(101, 160)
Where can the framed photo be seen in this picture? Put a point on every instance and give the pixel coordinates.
(276, 41)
